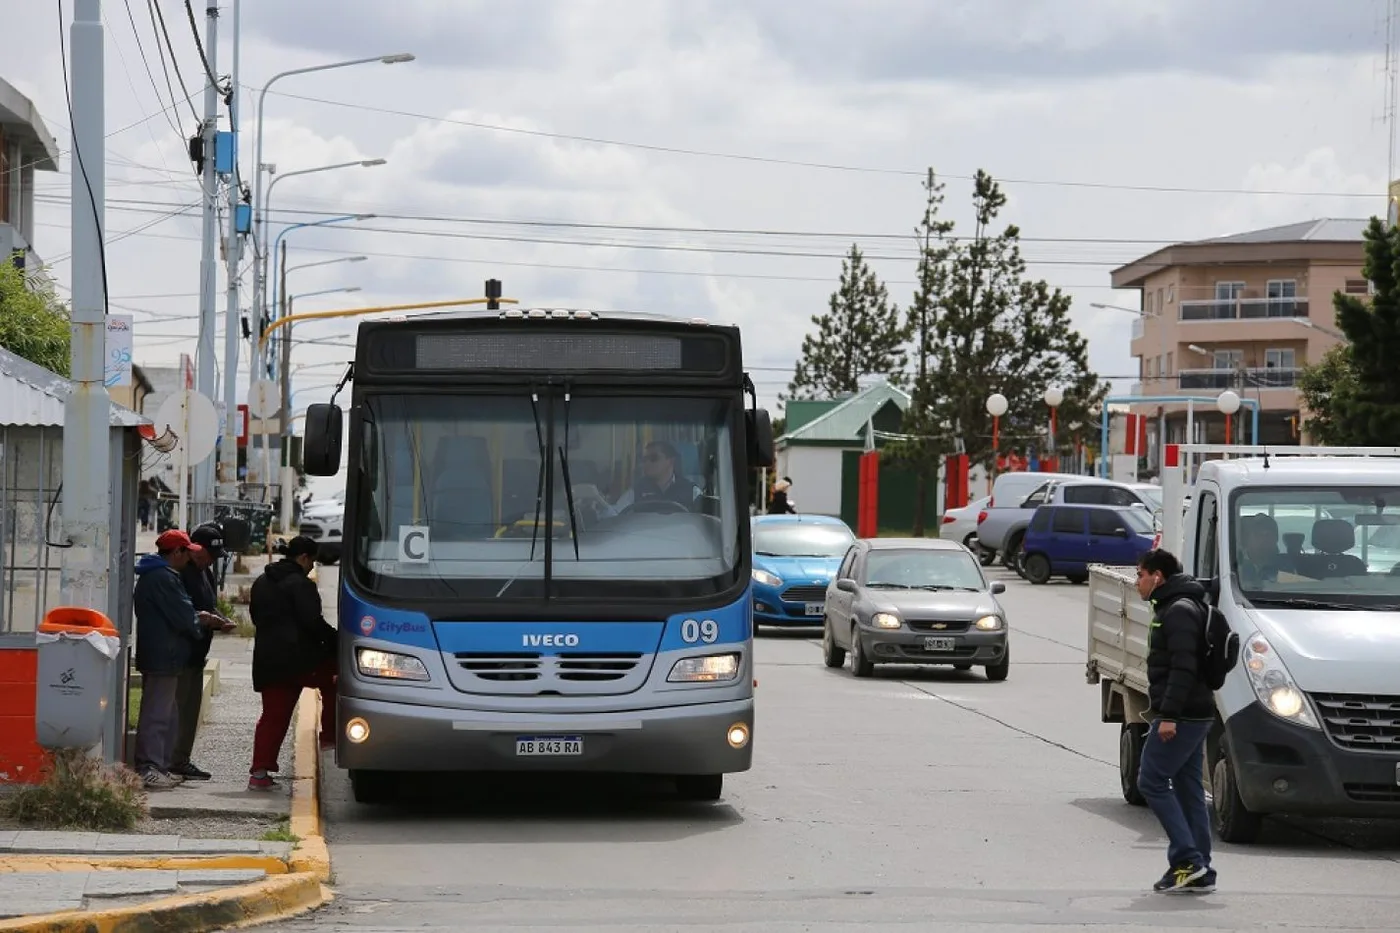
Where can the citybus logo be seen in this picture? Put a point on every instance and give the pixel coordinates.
(550, 641)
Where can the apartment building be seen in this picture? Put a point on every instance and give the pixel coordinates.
(25, 147)
(1243, 312)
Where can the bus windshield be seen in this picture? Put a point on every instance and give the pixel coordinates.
(453, 489)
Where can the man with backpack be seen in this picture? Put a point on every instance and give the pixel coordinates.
(1182, 711)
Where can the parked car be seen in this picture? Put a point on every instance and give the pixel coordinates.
(1007, 527)
(961, 524)
(1009, 490)
(914, 601)
(1063, 540)
(794, 558)
(323, 521)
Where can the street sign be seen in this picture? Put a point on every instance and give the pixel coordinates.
(262, 399)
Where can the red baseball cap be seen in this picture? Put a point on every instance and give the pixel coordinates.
(195, 548)
(173, 540)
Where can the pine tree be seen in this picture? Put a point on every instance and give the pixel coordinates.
(1359, 388)
(861, 333)
(981, 328)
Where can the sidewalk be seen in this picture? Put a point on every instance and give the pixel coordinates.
(212, 854)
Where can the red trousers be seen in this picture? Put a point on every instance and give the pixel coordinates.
(278, 704)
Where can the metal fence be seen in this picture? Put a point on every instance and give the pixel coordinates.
(258, 515)
(31, 469)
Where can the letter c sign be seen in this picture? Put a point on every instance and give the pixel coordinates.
(413, 544)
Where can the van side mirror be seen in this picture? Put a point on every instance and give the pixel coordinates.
(760, 437)
(321, 447)
(846, 585)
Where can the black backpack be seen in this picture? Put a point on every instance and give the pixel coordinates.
(1221, 647)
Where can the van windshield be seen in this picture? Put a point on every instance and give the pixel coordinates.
(1338, 546)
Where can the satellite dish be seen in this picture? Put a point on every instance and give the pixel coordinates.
(194, 421)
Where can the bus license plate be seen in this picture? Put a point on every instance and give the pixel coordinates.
(939, 644)
(548, 745)
(816, 609)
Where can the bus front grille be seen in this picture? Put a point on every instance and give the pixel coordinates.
(525, 672)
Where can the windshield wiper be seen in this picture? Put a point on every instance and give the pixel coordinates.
(893, 586)
(539, 491)
(1298, 602)
(568, 485)
(768, 554)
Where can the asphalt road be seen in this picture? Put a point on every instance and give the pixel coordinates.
(923, 800)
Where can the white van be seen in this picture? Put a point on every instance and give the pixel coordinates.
(1309, 720)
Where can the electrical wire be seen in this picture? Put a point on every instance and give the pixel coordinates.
(154, 6)
(199, 44)
(158, 28)
(797, 163)
(146, 62)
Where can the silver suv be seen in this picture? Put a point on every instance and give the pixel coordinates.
(1002, 529)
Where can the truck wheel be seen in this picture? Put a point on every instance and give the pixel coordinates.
(1130, 739)
(372, 787)
(700, 786)
(833, 654)
(1229, 818)
(1000, 670)
(1037, 568)
(861, 666)
(1011, 558)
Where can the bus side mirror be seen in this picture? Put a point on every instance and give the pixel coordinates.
(760, 430)
(321, 447)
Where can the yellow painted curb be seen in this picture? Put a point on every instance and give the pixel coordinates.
(36, 862)
(261, 902)
(310, 854)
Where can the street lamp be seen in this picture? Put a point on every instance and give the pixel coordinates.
(1318, 327)
(260, 280)
(996, 407)
(1053, 397)
(261, 257)
(286, 424)
(326, 262)
(1228, 402)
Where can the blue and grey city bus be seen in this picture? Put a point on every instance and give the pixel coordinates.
(546, 562)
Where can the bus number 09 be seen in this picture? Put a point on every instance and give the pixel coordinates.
(692, 631)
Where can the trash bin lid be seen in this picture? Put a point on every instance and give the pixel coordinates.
(76, 620)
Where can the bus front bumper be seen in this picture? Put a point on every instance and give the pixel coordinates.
(694, 739)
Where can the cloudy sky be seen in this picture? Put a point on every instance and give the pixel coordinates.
(544, 141)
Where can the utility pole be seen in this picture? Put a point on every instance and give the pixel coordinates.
(228, 448)
(284, 426)
(87, 414)
(285, 346)
(204, 358)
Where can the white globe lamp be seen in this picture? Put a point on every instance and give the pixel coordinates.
(1228, 402)
(1054, 396)
(997, 405)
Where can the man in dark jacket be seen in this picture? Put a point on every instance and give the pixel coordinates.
(168, 629)
(198, 576)
(294, 648)
(1182, 709)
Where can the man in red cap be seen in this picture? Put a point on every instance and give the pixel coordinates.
(168, 628)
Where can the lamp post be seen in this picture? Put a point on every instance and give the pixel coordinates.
(996, 407)
(1229, 403)
(1054, 396)
(286, 406)
(259, 210)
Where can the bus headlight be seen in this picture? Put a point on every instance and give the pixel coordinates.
(766, 578)
(1272, 683)
(375, 663)
(711, 668)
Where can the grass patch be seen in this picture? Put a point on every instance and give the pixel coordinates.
(226, 608)
(80, 792)
(133, 706)
(283, 833)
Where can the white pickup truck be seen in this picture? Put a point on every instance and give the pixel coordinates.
(1301, 552)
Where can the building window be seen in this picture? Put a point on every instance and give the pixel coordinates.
(1280, 358)
(1171, 293)
(1357, 287)
(1228, 359)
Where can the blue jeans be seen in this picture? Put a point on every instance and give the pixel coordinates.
(1171, 781)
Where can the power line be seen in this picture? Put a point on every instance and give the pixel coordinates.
(798, 163)
(158, 27)
(146, 62)
(199, 46)
(154, 7)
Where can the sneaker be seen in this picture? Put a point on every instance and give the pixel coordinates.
(156, 780)
(261, 780)
(1202, 885)
(1176, 879)
(190, 772)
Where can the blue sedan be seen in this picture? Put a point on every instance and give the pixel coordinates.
(794, 558)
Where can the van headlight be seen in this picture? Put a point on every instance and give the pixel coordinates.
(710, 668)
(1272, 683)
(389, 665)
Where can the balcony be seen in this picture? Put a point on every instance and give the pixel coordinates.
(1219, 380)
(1243, 309)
